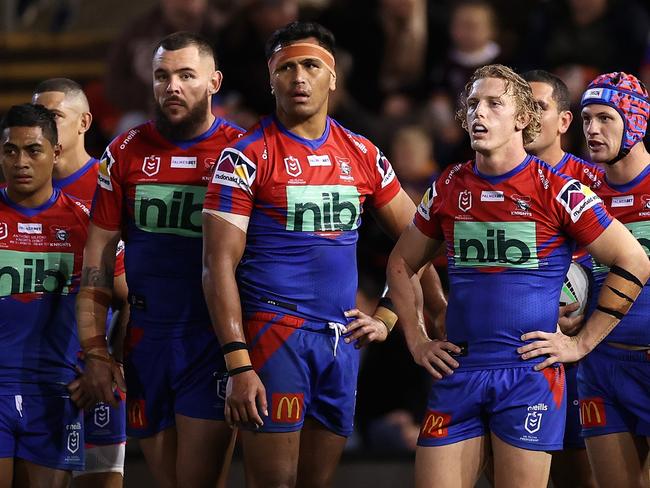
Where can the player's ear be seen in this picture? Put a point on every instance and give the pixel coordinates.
(332, 82)
(522, 119)
(566, 117)
(57, 149)
(85, 122)
(215, 82)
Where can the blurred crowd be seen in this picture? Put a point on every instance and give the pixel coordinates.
(401, 65)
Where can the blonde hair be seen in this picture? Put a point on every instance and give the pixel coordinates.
(515, 86)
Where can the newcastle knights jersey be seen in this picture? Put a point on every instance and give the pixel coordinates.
(304, 199)
(41, 252)
(629, 203)
(509, 240)
(152, 189)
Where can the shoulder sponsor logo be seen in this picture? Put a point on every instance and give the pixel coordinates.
(30, 228)
(151, 165)
(104, 174)
(435, 425)
(4, 230)
(577, 199)
(136, 413)
(287, 408)
(491, 196)
(385, 169)
(315, 160)
(359, 144)
(465, 200)
(345, 168)
(452, 172)
(183, 162)
(132, 133)
(543, 178)
(35, 272)
(102, 415)
(234, 170)
(592, 412)
(495, 244)
(623, 201)
(323, 208)
(292, 165)
(424, 209)
(169, 209)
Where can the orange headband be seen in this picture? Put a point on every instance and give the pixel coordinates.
(301, 49)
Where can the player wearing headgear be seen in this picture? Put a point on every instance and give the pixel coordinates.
(42, 235)
(614, 380)
(152, 183)
(509, 222)
(570, 466)
(76, 175)
(280, 275)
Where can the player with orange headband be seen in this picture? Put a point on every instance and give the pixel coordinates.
(280, 275)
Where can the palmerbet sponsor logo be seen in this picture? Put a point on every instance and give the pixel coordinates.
(322, 208)
(503, 244)
(35, 272)
(169, 209)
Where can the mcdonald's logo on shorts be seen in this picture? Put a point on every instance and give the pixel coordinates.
(435, 425)
(136, 414)
(592, 412)
(287, 407)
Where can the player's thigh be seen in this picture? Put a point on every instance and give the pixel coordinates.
(201, 449)
(619, 460)
(160, 453)
(320, 452)
(570, 468)
(6, 472)
(30, 475)
(99, 480)
(515, 467)
(456, 465)
(270, 458)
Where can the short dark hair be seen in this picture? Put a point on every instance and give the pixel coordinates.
(182, 39)
(560, 90)
(32, 115)
(63, 85)
(298, 30)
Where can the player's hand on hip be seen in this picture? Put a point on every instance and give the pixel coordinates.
(433, 355)
(558, 347)
(570, 325)
(102, 375)
(364, 329)
(245, 399)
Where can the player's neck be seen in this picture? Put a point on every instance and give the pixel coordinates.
(629, 167)
(310, 128)
(34, 199)
(551, 155)
(70, 162)
(500, 161)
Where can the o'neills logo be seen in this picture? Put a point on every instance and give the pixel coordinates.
(287, 407)
(435, 425)
(136, 415)
(592, 412)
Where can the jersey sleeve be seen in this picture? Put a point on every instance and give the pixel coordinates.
(426, 217)
(108, 201)
(582, 212)
(232, 186)
(385, 184)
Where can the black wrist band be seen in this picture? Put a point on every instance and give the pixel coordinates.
(233, 346)
(386, 303)
(243, 369)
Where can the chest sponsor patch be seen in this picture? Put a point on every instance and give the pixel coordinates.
(35, 272)
(169, 209)
(492, 196)
(623, 201)
(322, 208)
(183, 162)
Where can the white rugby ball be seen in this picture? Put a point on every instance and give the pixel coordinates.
(576, 288)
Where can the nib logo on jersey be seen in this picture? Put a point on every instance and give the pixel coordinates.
(322, 208)
(35, 272)
(495, 244)
(169, 209)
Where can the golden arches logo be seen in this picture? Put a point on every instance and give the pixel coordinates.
(287, 407)
(137, 418)
(592, 412)
(435, 425)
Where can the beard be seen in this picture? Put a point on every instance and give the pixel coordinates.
(187, 127)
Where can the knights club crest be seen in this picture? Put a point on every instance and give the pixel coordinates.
(151, 165)
(292, 165)
(4, 230)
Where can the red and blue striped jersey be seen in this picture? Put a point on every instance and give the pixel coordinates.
(304, 199)
(509, 241)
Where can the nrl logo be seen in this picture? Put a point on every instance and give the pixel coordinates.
(151, 165)
(292, 165)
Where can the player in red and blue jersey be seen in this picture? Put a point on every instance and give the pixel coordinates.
(281, 218)
(76, 175)
(509, 222)
(614, 380)
(570, 466)
(42, 234)
(152, 182)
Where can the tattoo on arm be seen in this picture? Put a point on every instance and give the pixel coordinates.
(94, 276)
